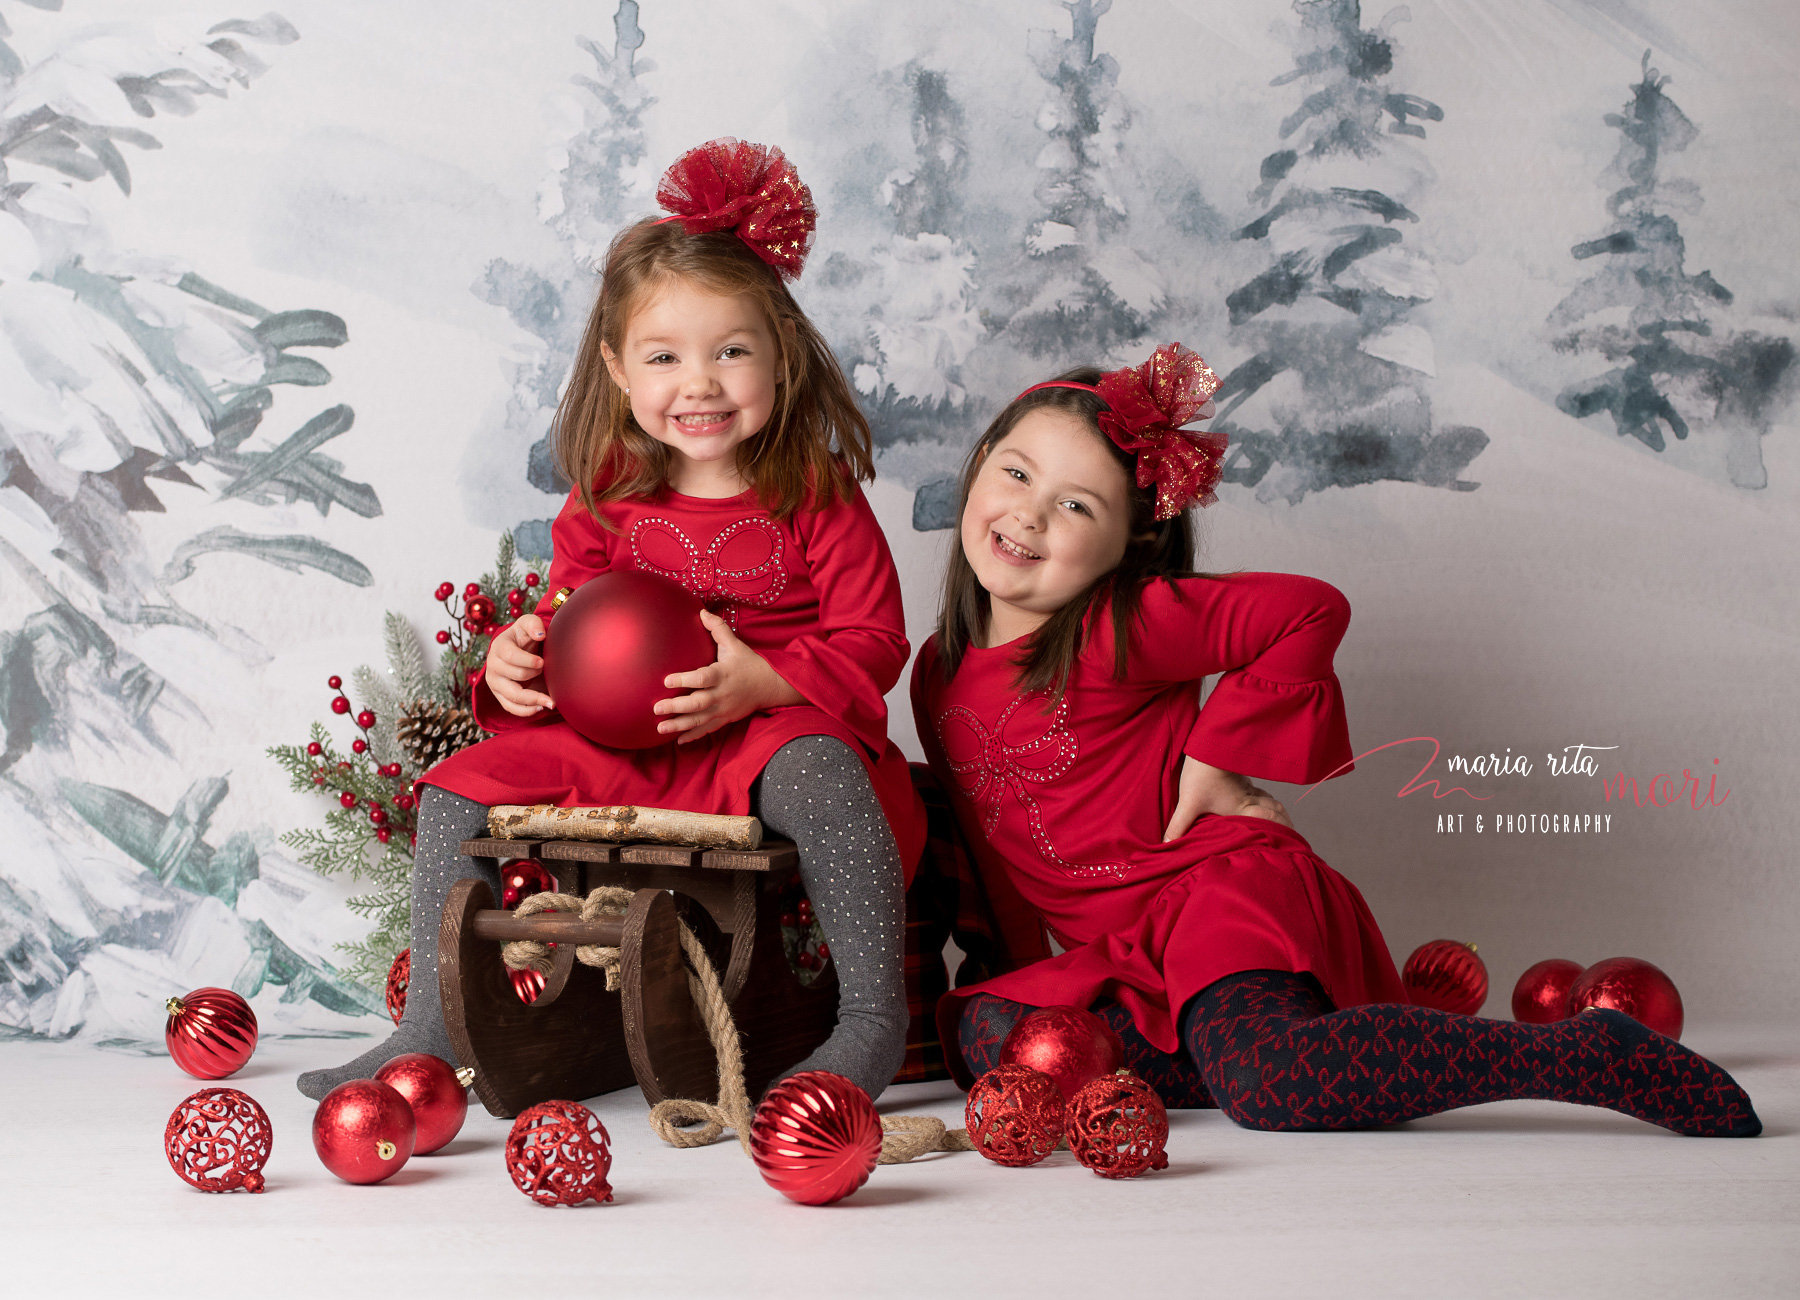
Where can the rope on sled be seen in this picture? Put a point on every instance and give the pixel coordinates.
(530, 954)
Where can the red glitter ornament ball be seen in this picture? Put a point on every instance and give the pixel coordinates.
(1542, 993)
(211, 1032)
(364, 1131)
(1015, 1115)
(609, 648)
(1069, 1044)
(557, 1154)
(218, 1140)
(816, 1137)
(398, 975)
(1633, 986)
(437, 1093)
(1117, 1127)
(1446, 975)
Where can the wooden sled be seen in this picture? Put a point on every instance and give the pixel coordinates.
(577, 1040)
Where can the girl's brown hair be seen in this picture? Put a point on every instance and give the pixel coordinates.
(816, 437)
(1152, 550)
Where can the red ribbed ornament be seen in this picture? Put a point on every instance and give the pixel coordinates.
(1633, 986)
(1117, 1126)
(1446, 975)
(398, 975)
(437, 1093)
(1015, 1115)
(558, 1154)
(1542, 993)
(218, 1140)
(1070, 1044)
(364, 1131)
(527, 983)
(211, 1032)
(816, 1137)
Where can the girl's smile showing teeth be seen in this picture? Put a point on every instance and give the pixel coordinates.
(1010, 550)
(703, 421)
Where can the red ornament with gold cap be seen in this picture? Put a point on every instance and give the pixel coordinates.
(364, 1131)
(437, 1092)
(1631, 985)
(1447, 975)
(211, 1032)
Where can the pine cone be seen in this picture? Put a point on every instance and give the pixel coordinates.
(430, 732)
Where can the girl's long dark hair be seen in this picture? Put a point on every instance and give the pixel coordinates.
(1152, 550)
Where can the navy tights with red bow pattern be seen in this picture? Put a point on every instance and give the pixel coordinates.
(1273, 1054)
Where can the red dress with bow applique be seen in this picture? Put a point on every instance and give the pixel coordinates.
(1065, 807)
(815, 594)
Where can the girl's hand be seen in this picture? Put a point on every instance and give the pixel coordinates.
(515, 671)
(1207, 789)
(737, 685)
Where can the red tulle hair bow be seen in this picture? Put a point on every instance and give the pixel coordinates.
(750, 189)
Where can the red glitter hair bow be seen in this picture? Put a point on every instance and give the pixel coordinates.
(750, 189)
(1148, 404)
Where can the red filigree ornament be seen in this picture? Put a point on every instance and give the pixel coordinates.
(399, 972)
(1542, 993)
(1117, 1127)
(218, 1140)
(1447, 975)
(558, 1154)
(816, 1137)
(1015, 1115)
(437, 1093)
(1631, 985)
(364, 1131)
(211, 1032)
(1070, 1044)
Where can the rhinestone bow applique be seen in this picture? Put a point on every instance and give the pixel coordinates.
(743, 566)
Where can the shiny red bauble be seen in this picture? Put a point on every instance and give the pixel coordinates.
(211, 1032)
(398, 976)
(1015, 1115)
(1117, 1127)
(1633, 986)
(520, 879)
(1542, 993)
(437, 1093)
(558, 1153)
(1447, 975)
(609, 648)
(816, 1137)
(218, 1140)
(527, 983)
(364, 1131)
(1069, 1044)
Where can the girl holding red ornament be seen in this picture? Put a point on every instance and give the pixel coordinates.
(713, 441)
(1058, 702)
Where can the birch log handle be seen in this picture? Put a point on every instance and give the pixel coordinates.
(622, 824)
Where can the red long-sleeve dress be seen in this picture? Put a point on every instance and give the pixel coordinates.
(1065, 810)
(815, 594)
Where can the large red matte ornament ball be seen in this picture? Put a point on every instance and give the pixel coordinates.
(438, 1095)
(608, 649)
(1633, 986)
(1117, 1127)
(1446, 975)
(399, 973)
(1069, 1044)
(218, 1140)
(558, 1154)
(1015, 1115)
(211, 1032)
(816, 1137)
(1542, 993)
(364, 1131)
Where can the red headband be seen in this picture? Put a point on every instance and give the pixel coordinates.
(1148, 405)
(749, 189)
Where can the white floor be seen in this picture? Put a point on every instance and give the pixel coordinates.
(1528, 1199)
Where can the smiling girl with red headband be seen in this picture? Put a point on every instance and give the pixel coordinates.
(1058, 702)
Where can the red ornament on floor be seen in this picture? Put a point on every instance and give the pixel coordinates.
(364, 1131)
(398, 974)
(1633, 986)
(437, 1093)
(218, 1140)
(816, 1137)
(1542, 993)
(1447, 975)
(610, 645)
(211, 1032)
(1117, 1127)
(1015, 1115)
(1069, 1044)
(557, 1154)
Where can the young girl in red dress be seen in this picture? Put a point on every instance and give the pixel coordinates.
(712, 439)
(1058, 703)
